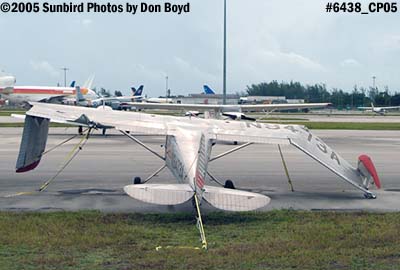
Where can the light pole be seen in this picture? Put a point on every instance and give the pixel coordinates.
(374, 82)
(65, 69)
(166, 89)
(224, 72)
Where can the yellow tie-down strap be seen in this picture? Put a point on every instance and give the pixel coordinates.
(67, 160)
(199, 225)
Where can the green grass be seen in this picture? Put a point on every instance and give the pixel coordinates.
(266, 119)
(21, 124)
(8, 113)
(343, 125)
(272, 240)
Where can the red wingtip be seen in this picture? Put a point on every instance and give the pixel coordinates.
(369, 165)
(28, 167)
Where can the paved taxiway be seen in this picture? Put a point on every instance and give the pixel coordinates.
(355, 117)
(94, 180)
(337, 118)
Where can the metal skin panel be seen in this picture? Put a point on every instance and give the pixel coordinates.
(33, 143)
(160, 194)
(204, 153)
(181, 153)
(174, 160)
(321, 152)
(234, 200)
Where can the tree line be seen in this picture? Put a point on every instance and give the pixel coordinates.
(339, 98)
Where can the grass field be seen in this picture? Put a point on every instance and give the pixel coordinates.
(21, 124)
(271, 240)
(344, 125)
(8, 113)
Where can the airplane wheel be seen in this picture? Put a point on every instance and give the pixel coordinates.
(235, 143)
(80, 130)
(137, 180)
(369, 196)
(229, 184)
(104, 132)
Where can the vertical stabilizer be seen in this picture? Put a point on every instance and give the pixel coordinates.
(89, 82)
(208, 90)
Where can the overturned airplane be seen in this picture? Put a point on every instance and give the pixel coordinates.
(188, 148)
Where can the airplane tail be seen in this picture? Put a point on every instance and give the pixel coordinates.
(73, 84)
(138, 92)
(372, 105)
(89, 82)
(160, 194)
(78, 94)
(208, 90)
(234, 200)
(174, 194)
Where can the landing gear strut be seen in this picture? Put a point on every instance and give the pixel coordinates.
(137, 180)
(369, 196)
(229, 184)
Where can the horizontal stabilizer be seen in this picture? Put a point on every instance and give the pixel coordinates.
(234, 200)
(160, 194)
(33, 143)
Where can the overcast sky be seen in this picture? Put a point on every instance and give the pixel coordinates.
(267, 40)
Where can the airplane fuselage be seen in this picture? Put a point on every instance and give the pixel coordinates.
(379, 111)
(7, 81)
(158, 100)
(23, 94)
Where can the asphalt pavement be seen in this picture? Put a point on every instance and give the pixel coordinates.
(95, 178)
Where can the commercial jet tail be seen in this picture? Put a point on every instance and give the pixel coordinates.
(137, 92)
(89, 82)
(208, 90)
(79, 96)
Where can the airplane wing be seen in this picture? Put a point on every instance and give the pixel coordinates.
(301, 138)
(284, 106)
(121, 98)
(391, 108)
(298, 136)
(54, 99)
(175, 106)
(218, 107)
(382, 108)
(102, 116)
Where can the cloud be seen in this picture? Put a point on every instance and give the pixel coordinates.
(45, 67)
(191, 70)
(352, 63)
(292, 59)
(391, 42)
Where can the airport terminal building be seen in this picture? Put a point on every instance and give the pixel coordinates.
(233, 99)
